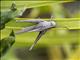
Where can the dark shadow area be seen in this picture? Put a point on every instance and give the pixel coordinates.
(41, 14)
(75, 45)
(36, 54)
(44, 15)
(63, 52)
(71, 8)
(26, 13)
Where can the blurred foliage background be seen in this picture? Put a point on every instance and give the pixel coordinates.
(61, 43)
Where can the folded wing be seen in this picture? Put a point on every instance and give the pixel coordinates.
(32, 21)
(27, 29)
